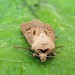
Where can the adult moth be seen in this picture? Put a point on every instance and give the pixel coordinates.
(41, 37)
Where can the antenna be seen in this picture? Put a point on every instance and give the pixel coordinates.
(24, 48)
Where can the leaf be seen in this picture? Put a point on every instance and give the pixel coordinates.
(60, 14)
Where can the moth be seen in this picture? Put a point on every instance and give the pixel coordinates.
(41, 37)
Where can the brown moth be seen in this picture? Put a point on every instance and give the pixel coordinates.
(41, 37)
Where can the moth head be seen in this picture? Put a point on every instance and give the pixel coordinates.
(43, 57)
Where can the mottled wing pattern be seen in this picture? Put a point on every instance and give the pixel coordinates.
(27, 30)
(49, 30)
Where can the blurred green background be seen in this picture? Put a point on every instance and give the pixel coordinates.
(60, 14)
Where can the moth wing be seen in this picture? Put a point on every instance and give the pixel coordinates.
(27, 30)
(49, 31)
(25, 27)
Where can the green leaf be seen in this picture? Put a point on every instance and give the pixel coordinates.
(60, 14)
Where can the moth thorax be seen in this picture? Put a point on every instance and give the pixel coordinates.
(42, 42)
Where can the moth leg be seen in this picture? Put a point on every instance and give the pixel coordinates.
(59, 46)
(57, 52)
(35, 54)
(53, 53)
(56, 36)
(50, 52)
